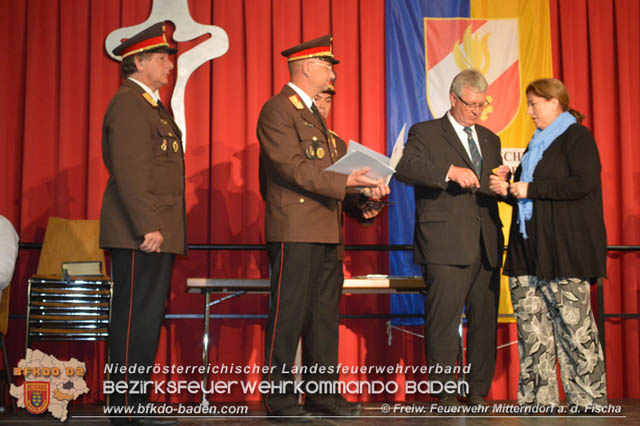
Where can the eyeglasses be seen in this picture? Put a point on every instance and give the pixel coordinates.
(323, 64)
(470, 106)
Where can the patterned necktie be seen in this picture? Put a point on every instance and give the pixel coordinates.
(476, 158)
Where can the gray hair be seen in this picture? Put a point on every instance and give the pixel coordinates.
(471, 79)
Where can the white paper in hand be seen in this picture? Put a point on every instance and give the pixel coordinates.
(355, 146)
(398, 149)
(358, 157)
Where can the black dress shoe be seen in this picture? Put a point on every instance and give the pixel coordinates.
(477, 401)
(335, 406)
(120, 421)
(292, 414)
(355, 407)
(160, 421)
(449, 401)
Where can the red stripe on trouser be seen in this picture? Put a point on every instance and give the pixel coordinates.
(275, 323)
(126, 351)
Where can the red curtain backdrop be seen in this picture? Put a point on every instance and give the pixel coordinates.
(595, 47)
(57, 80)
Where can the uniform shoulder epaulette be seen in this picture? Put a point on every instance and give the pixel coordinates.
(333, 133)
(295, 100)
(149, 99)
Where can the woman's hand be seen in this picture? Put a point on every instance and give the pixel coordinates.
(519, 189)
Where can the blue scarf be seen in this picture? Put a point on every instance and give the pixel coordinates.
(540, 141)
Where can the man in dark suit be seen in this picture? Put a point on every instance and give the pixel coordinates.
(142, 222)
(303, 215)
(458, 237)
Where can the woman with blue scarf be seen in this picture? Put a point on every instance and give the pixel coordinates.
(557, 248)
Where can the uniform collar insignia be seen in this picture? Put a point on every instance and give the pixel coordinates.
(295, 100)
(150, 99)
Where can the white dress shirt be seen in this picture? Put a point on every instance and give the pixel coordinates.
(464, 138)
(305, 98)
(8, 252)
(155, 95)
(462, 135)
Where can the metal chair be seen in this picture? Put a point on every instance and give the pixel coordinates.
(62, 307)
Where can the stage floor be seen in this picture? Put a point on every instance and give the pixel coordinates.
(629, 414)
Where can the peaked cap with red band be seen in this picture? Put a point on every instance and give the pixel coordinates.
(319, 48)
(152, 38)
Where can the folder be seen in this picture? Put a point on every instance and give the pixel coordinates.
(359, 156)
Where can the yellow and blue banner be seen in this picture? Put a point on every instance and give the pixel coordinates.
(427, 43)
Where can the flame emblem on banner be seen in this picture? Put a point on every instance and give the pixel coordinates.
(476, 52)
(488, 109)
(488, 45)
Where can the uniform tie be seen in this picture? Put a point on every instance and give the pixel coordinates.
(476, 158)
(316, 113)
(162, 108)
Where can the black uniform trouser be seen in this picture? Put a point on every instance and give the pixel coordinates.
(306, 284)
(475, 287)
(141, 283)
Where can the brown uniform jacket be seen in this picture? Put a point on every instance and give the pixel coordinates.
(142, 151)
(303, 202)
(451, 221)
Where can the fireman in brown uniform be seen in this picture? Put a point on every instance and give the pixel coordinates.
(303, 217)
(142, 222)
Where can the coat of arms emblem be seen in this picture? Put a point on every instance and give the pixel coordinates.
(36, 396)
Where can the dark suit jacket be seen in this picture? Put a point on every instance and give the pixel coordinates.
(303, 202)
(142, 151)
(450, 220)
(566, 233)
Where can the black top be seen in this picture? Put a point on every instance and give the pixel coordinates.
(566, 234)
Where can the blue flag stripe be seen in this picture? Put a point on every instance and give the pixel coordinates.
(406, 105)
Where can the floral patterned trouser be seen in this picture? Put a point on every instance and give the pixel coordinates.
(555, 317)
